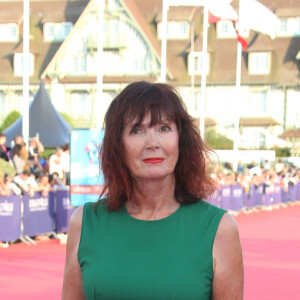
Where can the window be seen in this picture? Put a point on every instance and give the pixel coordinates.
(19, 64)
(56, 32)
(196, 63)
(2, 103)
(9, 32)
(139, 63)
(81, 106)
(258, 103)
(175, 30)
(259, 63)
(225, 29)
(79, 64)
(288, 27)
(283, 25)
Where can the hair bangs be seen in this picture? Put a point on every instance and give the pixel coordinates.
(155, 102)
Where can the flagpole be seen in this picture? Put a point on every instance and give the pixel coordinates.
(164, 25)
(237, 99)
(99, 60)
(25, 104)
(204, 69)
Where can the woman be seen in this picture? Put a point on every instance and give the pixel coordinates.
(17, 158)
(152, 237)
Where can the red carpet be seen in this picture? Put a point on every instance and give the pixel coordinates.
(271, 247)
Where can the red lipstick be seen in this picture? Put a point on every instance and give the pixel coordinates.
(153, 160)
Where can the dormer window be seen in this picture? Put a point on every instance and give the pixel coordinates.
(19, 61)
(9, 32)
(196, 63)
(56, 32)
(259, 63)
(175, 30)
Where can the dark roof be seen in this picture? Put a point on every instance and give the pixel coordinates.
(40, 12)
(284, 69)
(291, 133)
(44, 120)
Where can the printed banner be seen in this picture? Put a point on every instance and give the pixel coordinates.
(225, 197)
(277, 194)
(214, 199)
(10, 218)
(64, 210)
(85, 178)
(38, 215)
(292, 192)
(269, 196)
(257, 195)
(237, 197)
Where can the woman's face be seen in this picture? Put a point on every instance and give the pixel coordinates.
(151, 152)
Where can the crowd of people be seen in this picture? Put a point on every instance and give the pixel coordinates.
(253, 175)
(31, 172)
(35, 174)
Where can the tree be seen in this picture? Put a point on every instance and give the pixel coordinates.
(217, 141)
(67, 118)
(10, 119)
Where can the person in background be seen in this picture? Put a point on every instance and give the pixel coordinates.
(8, 182)
(17, 158)
(17, 140)
(3, 150)
(56, 183)
(4, 190)
(65, 157)
(240, 167)
(26, 183)
(35, 148)
(280, 166)
(55, 163)
(43, 184)
(153, 236)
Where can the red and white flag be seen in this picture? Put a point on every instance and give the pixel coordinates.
(254, 15)
(221, 10)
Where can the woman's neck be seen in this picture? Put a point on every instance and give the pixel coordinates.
(153, 197)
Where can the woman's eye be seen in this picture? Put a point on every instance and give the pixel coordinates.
(135, 130)
(165, 128)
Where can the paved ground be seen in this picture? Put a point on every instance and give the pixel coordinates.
(271, 247)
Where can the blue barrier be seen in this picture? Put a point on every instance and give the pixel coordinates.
(237, 197)
(47, 214)
(38, 217)
(10, 218)
(225, 201)
(64, 210)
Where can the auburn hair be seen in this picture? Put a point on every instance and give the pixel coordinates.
(192, 181)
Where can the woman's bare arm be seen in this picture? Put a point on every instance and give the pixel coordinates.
(72, 285)
(228, 279)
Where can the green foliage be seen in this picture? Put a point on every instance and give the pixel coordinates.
(47, 153)
(217, 141)
(67, 118)
(10, 119)
(282, 152)
(7, 167)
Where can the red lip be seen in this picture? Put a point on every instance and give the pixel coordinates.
(153, 160)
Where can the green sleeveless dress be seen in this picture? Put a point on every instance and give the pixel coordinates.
(125, 258)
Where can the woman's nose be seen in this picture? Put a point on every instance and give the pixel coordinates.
(152, 139)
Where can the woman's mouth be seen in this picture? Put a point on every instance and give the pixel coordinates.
(153, 160)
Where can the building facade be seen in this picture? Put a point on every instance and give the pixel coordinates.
(63, 47)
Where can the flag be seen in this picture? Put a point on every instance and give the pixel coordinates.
(221, 10)
(254, 15)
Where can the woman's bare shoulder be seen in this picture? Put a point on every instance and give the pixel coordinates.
(228, 281)
(76, 219)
